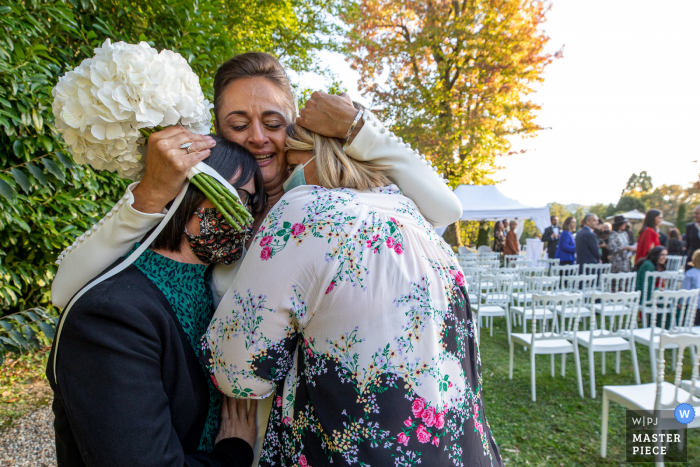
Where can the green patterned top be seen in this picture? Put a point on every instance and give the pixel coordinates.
(187, 289)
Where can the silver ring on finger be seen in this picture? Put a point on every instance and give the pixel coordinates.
(187, 146)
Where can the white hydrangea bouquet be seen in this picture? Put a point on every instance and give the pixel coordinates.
(106, 108)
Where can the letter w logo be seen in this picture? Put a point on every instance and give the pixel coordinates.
(685, 413)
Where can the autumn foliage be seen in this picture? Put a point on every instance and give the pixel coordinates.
(452, 76)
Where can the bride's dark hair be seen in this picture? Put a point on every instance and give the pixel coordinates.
(252, 65)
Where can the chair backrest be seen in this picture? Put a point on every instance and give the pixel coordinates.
(618, 282)
(677, 310)
(681, 342)
(584, 284)
(520, 263)
(473, 278)
(529, 272)
(541, 284)
(463, 250)
(547, 263)
(618, 313)
(564, 270)
(596, 269)
(508, 258)
(465, 263)
(484, 249)
(675, 263)
(488, 263)
(654, 280)
(488, 254)
(496, 289)
(568, 326)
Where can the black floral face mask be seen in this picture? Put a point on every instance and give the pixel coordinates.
(217, 241)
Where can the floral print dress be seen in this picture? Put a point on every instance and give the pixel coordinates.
(354, 312)
(619, 261)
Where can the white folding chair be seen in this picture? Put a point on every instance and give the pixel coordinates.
(547, 263)
(675, 263)
(483, 249)
(618, 282)
(535, 285)
(656, 281)
(488, 263)
(463, 250)
(488, 254)
(522, 273)
(564, 272)
(617, 320)
(473, 279)
(495, 298)
(520, 263)
(677, 310)
(660, 395)
(508, 258)
(596, 269)
(586, 286)
(552, 339)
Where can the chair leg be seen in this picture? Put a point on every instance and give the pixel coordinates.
(591, 370)
(491, 326)
(604, 427)
(635, 365)
(552, 358)
(577, 358)
(510, 371)
(652, 359)
(617, 363)
(563, 364)
(532, 374)
(603, 366)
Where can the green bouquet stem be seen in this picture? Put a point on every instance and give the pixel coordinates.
(226, 202)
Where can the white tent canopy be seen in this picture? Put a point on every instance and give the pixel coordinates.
(487, 203)
(633, 216)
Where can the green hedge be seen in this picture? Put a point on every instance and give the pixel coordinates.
(46, 201)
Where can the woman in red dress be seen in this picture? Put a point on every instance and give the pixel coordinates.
(648, 236)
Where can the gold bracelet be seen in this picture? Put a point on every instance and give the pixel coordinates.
(354, 124)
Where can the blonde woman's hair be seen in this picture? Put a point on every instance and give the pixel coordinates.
(334, 168)
(695, 259)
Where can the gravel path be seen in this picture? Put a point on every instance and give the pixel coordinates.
(29, 442)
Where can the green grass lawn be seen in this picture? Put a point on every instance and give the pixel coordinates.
(560, 429)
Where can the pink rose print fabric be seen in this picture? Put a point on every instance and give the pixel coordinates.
(355, 314)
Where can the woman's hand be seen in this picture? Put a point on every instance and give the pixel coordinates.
(238, 421)
(167, 165)
(329, 115)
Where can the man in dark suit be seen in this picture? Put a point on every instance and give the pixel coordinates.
(551, 236)
(692, 236)
(587, 251)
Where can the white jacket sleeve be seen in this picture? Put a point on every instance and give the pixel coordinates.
(108, 240)
(415, 176)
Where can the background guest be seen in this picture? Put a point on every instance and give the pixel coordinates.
(648, 236)
(587, 251)
(655, 261)
(674, 245)
(630, 234)
(692, 280)
(551, 236)
(566, 247)
(499, 237)
(692, 236)
(618, 246)
(512, 246)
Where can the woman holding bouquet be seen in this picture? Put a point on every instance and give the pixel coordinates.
(253, 104)
(129, 389)
(354, 313)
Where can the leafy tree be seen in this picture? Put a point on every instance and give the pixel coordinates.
(638, 184)
(46, 200)
(628, 203)
(452, 76)
(681, 218)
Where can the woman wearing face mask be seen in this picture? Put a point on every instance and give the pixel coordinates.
(354, 313)
(253, 105)
(129, 388)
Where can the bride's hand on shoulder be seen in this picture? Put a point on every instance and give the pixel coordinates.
(167, 165)
(329, 115)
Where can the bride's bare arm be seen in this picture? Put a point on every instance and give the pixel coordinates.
(331, 115)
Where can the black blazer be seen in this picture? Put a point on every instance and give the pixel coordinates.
(587, 251)
(692, 241)
(551, 242)
(131, 391)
